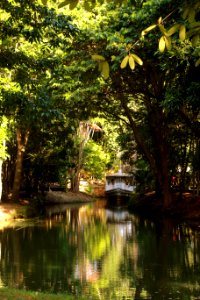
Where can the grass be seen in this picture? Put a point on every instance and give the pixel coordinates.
(17, 294)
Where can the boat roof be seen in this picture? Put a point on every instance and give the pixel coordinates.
(119, 174)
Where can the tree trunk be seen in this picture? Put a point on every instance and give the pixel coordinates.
(75, 182)
(162, 175)
(1, 163)
(86, 131)
(158, 158)
(21, 145)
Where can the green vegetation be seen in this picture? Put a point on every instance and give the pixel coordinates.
(16, 294)
(79, 87)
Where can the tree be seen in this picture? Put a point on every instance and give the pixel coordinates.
(84, 133)
(26, 97)
(96, 161)
(136, 95)
(3, 150)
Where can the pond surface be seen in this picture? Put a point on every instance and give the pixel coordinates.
(102, 254)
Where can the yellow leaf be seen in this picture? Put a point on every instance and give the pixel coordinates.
(162, 28)
(172, 30)
(105, 69)
(137, 59)
(182, 32)
(160, 20)
(131, 62)
(98, 57)
(161, 44)
(197, 63)
(168, 42)
(124, 62)
(148, 29)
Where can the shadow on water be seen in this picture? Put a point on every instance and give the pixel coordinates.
(102, 253)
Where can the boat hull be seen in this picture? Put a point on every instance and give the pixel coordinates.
(118, 197)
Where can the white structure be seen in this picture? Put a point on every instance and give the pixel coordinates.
(119, 184)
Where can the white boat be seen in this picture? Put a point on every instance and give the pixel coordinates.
(119, 187)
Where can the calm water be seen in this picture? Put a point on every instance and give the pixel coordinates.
(102, 254)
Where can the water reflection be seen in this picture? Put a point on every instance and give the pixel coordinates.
(103, 254)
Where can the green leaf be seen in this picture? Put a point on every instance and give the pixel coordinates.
(105, 69)
(64, 3)
(195, 40)
(98, 57)
(191, 15)
(44, 2)
(73, 4)
(197, 63)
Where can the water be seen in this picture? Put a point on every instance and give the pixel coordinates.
(102, 254)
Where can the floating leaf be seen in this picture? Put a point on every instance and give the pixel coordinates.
(131, 62)
(161, 44)
(137, 59)
(182, 32)
(148, 29)
(124, 62)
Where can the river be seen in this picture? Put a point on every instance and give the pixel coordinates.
(101, 253)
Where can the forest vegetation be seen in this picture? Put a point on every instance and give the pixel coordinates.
(83, 82)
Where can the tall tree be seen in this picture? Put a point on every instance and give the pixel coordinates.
(3, 152)
(136, 93)
(33, 38)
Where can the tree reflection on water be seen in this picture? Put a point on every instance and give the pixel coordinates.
(103, 254)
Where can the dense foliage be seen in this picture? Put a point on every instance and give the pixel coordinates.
(134, 63)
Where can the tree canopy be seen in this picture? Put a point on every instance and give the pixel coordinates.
(134, 63)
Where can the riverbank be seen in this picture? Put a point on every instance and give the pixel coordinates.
(59, 197)
(27, 208)
(184, 207)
